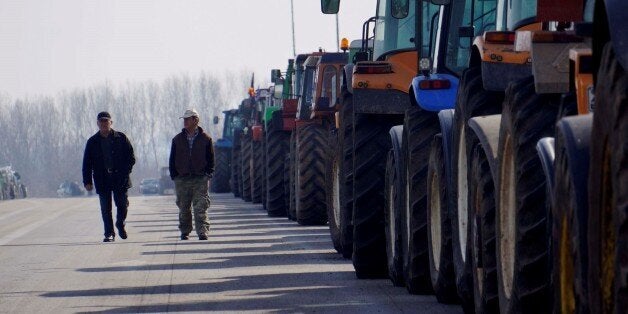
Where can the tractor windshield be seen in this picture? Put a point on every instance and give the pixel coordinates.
(395, 34)
(391, 33)
(481, 14)
(519, 13)
(227, 131)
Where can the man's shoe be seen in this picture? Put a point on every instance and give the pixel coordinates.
(202, 237)
(122, 233)
(184, 237)
(109, 239)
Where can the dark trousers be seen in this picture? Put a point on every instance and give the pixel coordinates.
(121, 198)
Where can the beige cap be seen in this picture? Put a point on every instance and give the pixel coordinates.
(189, 113)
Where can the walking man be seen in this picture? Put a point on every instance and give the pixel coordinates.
(109, 159)
(191, 167)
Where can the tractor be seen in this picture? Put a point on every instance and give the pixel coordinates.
(222, 149)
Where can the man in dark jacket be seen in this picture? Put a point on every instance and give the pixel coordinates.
(109, 159)
(191, 167)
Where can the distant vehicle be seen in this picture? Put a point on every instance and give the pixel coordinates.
(166, 185)
(11, 186)
(70, 189)
(149, 186)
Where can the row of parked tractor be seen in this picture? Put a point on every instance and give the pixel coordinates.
(474, 149)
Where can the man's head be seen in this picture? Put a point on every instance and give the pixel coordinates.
(190, 119)
(104, 122)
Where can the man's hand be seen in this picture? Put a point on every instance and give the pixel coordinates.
(89, 187)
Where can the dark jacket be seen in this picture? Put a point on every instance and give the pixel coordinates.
(199, 162)
(122, 157)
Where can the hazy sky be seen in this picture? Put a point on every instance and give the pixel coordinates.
(50, 45)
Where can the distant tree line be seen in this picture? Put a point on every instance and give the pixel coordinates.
(43, 138)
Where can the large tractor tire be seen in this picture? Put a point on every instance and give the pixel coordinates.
(393, 222)
(222, 172)
(311, 148)
(608, 189)
(569, 214)
(419, 129)
(277, 142)
(264, 170)
(342, 176)
(236, 172)
(245, 162)
(439, 227)
(331, 191)
(482, 225)
(292, 209)
(257, 171)
(371, 143)
(522, 220)
(473, 100)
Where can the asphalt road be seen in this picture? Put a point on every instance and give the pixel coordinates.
(52, 260)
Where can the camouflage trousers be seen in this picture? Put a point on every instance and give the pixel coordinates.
(191, 192)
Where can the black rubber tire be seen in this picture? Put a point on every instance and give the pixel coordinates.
(236, 172)
(277, 142)
(24, 191)
(245, 166)
(569, 214)
(286, 181)
(608, 189)
(393, 222)
(264, 170)
(311, 206)
(344, 156)
(331, 190)
(482, 211)
(522, 223)
(441, 263)
(419, 129)
(473, 100)
(371, 143)
(222, 170)
(257, 171)
(292, 209)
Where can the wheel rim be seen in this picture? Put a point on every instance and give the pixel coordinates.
(435, 219)
(335, 192)
(567, 298)
(462, 195)
(507, 217)
(609, 237)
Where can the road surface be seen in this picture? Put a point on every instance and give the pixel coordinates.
(52, 260)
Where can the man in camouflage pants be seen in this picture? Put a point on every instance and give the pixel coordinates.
(191, 167)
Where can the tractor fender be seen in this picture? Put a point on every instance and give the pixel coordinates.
(547, 154)
(486, 128)
(446, 120)
(347, 77)
(435, 99)
(576, 131)
(396, 137)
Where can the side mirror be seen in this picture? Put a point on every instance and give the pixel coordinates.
(399, 8)
(216, 119)
(330, 6)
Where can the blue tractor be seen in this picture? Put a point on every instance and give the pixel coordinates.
(222, 181)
